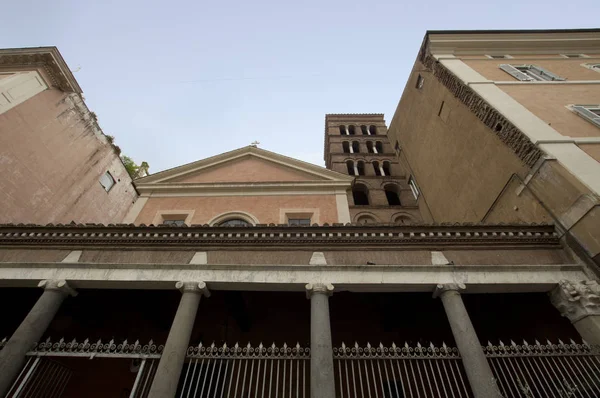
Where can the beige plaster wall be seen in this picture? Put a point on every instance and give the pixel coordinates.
(568, 68)
(248, 169)
(549, 101)
(460, 166)
(266, 208)
(51, 162)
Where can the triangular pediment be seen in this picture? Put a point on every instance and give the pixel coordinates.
(244, 165)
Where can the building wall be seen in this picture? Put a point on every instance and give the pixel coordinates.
(52, 155)
(266, 208)
(459, 167)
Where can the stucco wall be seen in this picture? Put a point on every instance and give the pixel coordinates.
(265, 208)
(51, 162)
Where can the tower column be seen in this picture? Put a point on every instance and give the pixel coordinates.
(30, 331)
(173, 356)
(580, 303)
(476, 365)
(321, 349)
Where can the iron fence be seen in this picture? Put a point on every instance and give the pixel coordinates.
(236, 371)
(545, 370)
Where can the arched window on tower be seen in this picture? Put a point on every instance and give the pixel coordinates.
(370, 147)
(234, 222)
(387, 168)
(373, 130)
(365, 219)
(355, 147)
(392, 193)
(343, 130)
(360, 168)
(346, 146)
(351, 130)
(351, 169)
(377, 169)
(364, 129)
(360, 195)
(379, 147)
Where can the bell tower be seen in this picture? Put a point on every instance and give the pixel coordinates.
(358, 145)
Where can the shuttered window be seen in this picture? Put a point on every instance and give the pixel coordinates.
(530, 73)
(595, 67)
(589, 112)
(107, 181)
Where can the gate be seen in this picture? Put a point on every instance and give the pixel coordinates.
(45, 377)
(223, 371)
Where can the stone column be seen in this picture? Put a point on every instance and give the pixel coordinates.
(321, 350)
(580, 303)
(173, 356)
(30, 331)
(476, 365)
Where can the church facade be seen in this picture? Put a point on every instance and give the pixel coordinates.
(251, 274)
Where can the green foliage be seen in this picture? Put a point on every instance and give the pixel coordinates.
(133, 169)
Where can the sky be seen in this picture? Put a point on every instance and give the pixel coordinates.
(178, 81)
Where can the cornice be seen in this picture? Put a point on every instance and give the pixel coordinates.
(514, 42)
(378, 235)
(506, 131)
(49, 58)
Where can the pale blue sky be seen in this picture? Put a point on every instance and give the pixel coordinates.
(178, 81)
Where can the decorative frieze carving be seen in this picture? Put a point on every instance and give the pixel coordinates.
(507, 132)
(576, 300)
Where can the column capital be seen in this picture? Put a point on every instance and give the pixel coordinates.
(316, 288)
(448, 287)
(193, 287)
(576, 300)
(60, 285)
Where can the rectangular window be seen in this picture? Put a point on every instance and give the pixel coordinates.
(589, 112)
(174, 223)
(397, 148)
(420, 82)
(299, 221)
(413, 187)
(595, 67)
(502, 56)
(107, 181)
(574, 55)
(530, 73)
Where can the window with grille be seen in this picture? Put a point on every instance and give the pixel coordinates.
(298, 221)
(589, 112)
(107, 181)
(413, 187)
(174, 223)
(530, 73)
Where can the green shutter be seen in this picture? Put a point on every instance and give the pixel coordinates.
(587, 114)
(514, 72)
(544, 74)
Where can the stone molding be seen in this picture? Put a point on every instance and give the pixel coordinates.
(193, 287)
(448, 287)
(576, 300)
(47, 58)
(60, 285)
(318, 288)
(506, 131)
(280, 235)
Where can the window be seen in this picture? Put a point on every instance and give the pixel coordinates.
(530, 73)
(350, 167)
(370, 147)
(413, 187)
(420, 82)
(299, 221)
(355, 147)
(364, 130)
(392, 195)
(346, 146)
(498, 56)
(397, 148)
(387, 168)
(574, 55)
(365, 219)
(372, 130)
(107, 181)
(351, 130)
(360, 195)
(595, 67)
(343, 130)
(174, 223)
(234, 222)
(378, 170)
(589, 112)
(360, 167)
(378, 147)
